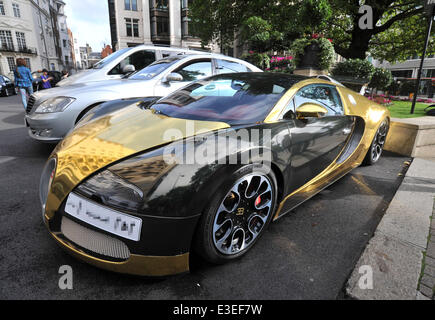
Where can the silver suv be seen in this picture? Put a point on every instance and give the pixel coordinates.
(124, 61)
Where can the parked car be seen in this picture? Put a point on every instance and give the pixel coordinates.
(123, 62)
(53, 113)
(7, 87)
(114, 194)
(37, 82)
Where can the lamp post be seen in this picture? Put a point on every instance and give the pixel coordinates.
(429, 6)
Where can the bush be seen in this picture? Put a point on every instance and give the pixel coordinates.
(260, 60)
(326, 55)
(282, 64)
(381, 79)
(356, 68)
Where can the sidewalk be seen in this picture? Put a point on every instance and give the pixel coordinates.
(402, 252)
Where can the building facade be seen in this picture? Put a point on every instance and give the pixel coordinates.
(35, 30)
(158, 22)
(408, 71)
(17, 36)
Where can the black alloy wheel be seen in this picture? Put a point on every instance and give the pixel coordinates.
(238, 216)
(378, 144)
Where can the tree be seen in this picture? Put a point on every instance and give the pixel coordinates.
(355, 68)
(398, 31)
(381, 79)
(398, 27)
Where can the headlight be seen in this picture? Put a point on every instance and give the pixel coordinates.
(112, 191)
(58, 104)
(46, 180)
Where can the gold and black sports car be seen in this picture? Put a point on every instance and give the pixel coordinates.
(204, 169)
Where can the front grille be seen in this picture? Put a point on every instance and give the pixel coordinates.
(94, 241)
(30, 104)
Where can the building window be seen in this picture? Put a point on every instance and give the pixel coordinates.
(159, 4)
(64, 43)
(130, 5)
(6, 41)
(21, 40)
(16, 9)
(11, 63)
(2, 8)
(162, 26)
(136, 28)
(129, 27)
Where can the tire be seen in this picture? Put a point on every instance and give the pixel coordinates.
(377, 147)
(233, 222)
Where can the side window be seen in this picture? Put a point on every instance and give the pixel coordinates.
(166, 54)
(325, 95)
(225, 66)
(139, 59)
(195, 71)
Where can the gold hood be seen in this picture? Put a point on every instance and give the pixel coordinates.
(110, 138)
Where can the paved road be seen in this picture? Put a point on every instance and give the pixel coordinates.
(308, 254)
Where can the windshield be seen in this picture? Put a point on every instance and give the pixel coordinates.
(232, 98)
(110, 58)
(154, 69)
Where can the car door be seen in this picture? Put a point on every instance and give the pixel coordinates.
(317, 141)
(190, 71)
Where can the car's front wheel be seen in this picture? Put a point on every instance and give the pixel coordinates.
(378, 144)
(238, 215)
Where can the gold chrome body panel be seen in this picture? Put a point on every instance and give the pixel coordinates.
(135, 265)
(354, 105)
(107, 140)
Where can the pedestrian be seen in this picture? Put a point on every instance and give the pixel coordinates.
(65, 74)
(23, 81)
(46, 79)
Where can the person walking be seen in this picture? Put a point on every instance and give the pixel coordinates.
(23, 81)
(46, 79)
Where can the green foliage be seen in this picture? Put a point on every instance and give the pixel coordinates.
(356, 68)
(399, 25)
(260, 34)
(326, 55)
(313, 15)
(381, 79)
(260, 60)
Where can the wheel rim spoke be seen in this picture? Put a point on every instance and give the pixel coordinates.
(243, 214)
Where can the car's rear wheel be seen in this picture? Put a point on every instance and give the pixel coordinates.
(377, 146)
(237, 216)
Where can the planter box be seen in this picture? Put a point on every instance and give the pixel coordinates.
(412, 137)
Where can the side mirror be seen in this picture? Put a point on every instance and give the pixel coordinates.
(173, 77)
(311, 110)
(128, 69)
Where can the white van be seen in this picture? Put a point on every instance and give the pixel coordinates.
(124, 61)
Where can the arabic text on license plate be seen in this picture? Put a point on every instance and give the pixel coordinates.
(103, 218)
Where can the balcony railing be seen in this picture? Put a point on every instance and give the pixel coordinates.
(12, 48)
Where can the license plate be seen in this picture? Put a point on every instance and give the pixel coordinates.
(103, 218)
